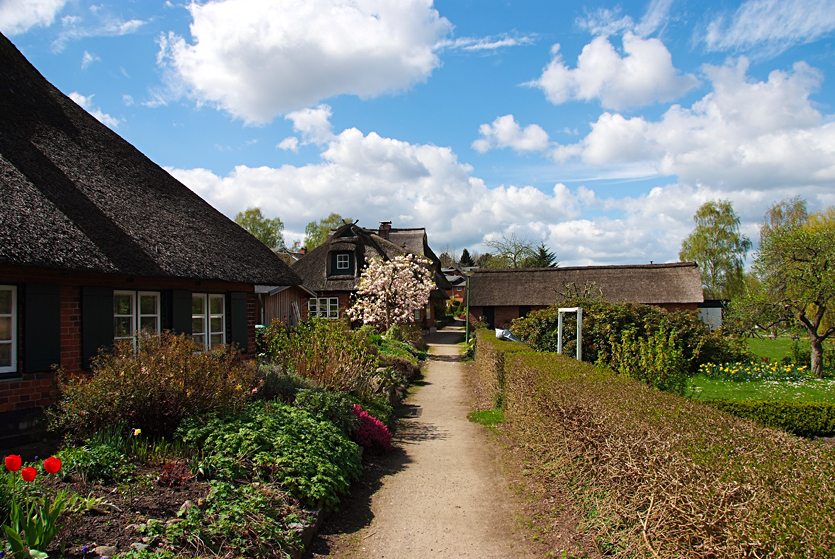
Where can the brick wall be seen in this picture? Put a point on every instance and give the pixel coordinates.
(23, 396)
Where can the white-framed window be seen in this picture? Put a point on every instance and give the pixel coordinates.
(208, 319)
(459, 288)
(323, 307)
(428, 312)
(417, 315)
(343, 261)
(8, 329)
(135, 311)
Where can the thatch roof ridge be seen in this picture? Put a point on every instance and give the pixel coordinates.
(671, 283)
(76, 196)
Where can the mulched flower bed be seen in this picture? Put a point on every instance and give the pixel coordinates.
(121, 509)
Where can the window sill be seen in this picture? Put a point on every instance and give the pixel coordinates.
(9, 377)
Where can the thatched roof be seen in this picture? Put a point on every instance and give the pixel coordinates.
(364, 244)
(76, 196)
(677, 283)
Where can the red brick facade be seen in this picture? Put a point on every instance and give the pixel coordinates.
(25, 392)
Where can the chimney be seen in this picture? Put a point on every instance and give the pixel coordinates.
(385, 227)
(303, 250)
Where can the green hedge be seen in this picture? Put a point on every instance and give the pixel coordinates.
(489, 359)
(807, 419)
(658, 475)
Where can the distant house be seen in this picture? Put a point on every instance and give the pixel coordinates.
(332, 270)
(499, 296)
(98, 242)
(457, 283)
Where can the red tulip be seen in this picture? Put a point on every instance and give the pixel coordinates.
(13, 462)
(52, 465)
(28, 474)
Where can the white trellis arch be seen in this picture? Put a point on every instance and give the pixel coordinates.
(579, 312)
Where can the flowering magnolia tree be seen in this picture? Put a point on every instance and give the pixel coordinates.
(391, 291)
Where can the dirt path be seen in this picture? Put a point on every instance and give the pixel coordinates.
(441, 494)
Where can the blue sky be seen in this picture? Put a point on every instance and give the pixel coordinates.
(598, 128)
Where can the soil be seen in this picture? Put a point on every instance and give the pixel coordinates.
(447, 490)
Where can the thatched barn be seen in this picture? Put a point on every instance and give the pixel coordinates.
(333, 268)
(499, 296)
(98, 242)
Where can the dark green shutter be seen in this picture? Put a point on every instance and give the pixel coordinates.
(238, 323)
(181, 311)
(96, 321)
(42, 327)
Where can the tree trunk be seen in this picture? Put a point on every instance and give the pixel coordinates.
(817, 356)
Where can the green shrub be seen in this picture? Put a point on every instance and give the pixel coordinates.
(606, 325)
(324, 351)
(807, 419)
(167, 379)
(310, 458)
(657, 361)
(271, 384)
(335, 407)
(665, 476)
(377, 406)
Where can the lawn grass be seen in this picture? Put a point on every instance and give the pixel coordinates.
(803, 390)
(775, 349)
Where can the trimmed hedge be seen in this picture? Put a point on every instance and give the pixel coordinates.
(489, 359)
(659, 475)
(807, 419)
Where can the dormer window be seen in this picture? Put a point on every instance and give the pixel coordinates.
(342, 263)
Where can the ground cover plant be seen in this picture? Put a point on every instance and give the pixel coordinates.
(663, 476)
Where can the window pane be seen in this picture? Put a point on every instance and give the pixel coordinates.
(123, 326)
(217, 339)
(199, 339)
(148, 323)
(5, 302)
(198, 325)
(333, 310)
(5, 355)
(122, 304)
(198, 305)
(147, 304)
(216, 305)
(6, 328)
(216, 324)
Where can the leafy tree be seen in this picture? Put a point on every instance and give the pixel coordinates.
(268, 231)
(796, 270)
(466, 259)
(718, 247)
(446, 259)
(789, 212)
(316, 234)
(543, 258)
(390, 291)
(511, 252)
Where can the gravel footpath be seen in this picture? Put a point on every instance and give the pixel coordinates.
(444, 496)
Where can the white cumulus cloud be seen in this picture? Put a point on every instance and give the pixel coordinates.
(18, 16)
(505, 132)
(257, 60)
(86, 102)
(642, 76)
(768, 27)
(744, 134)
